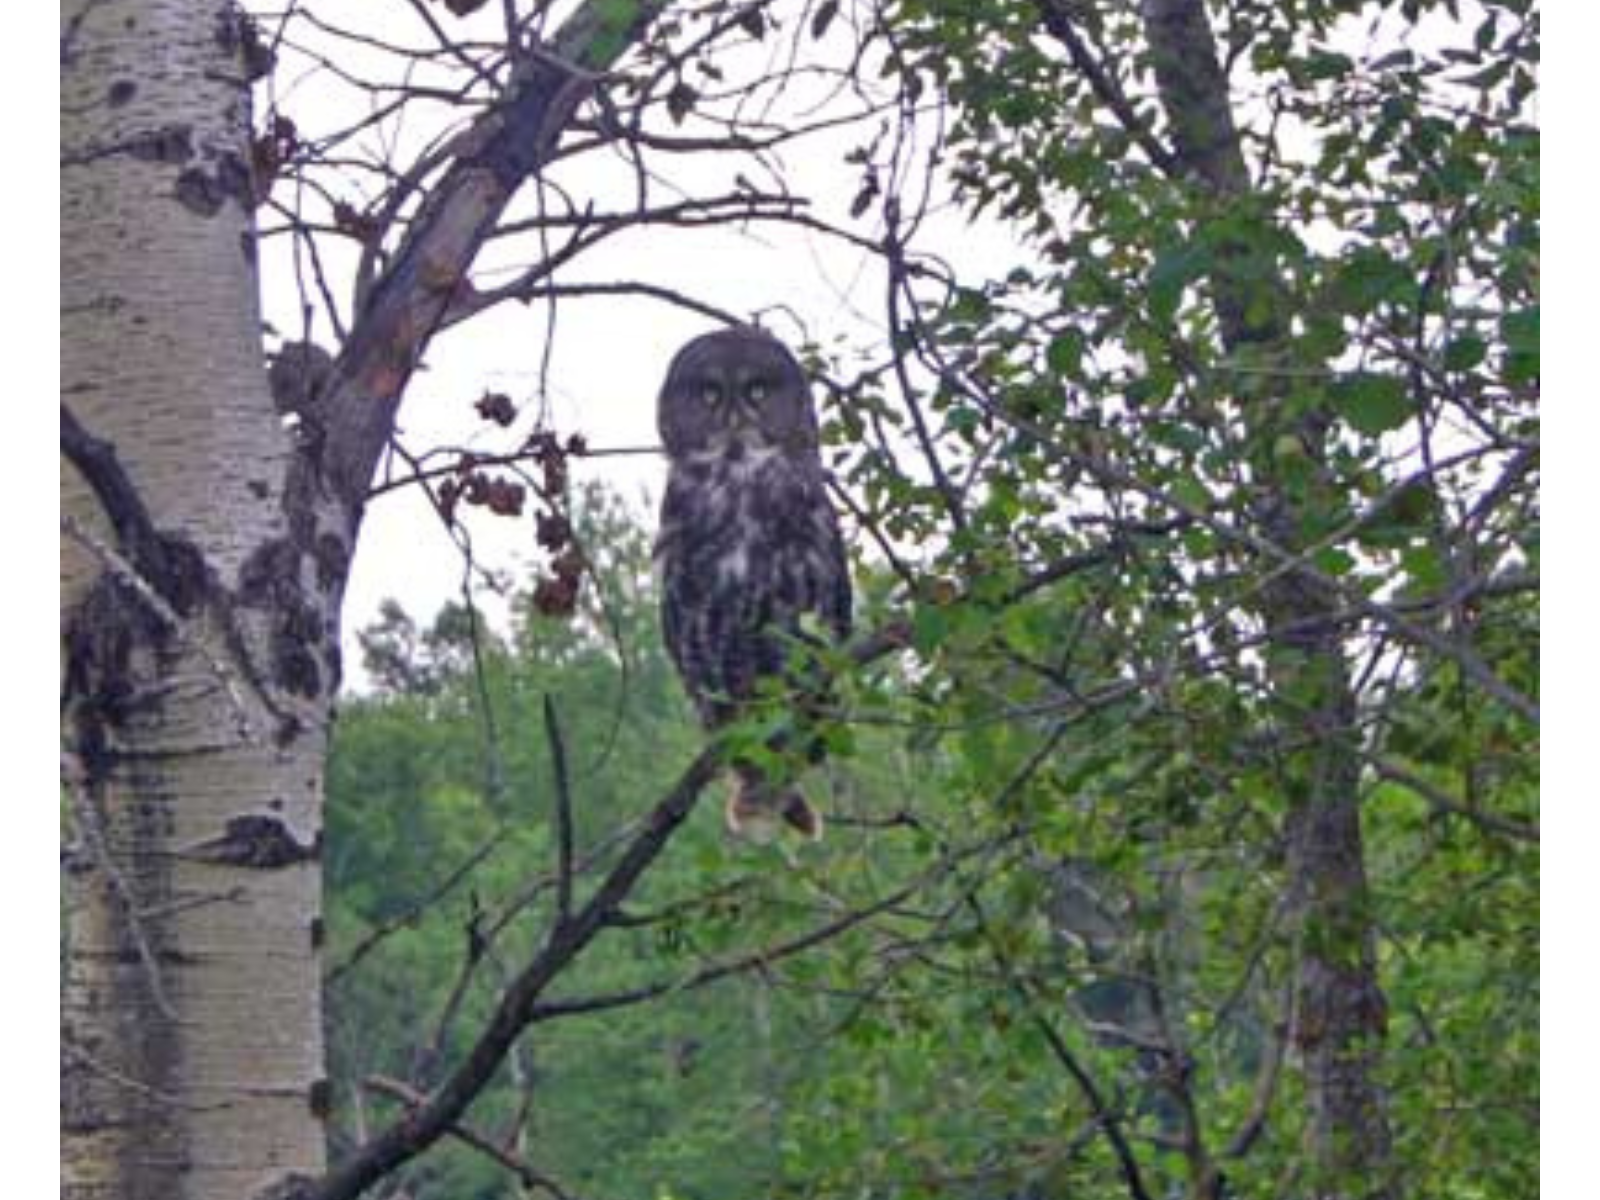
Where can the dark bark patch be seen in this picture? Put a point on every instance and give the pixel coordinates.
(236, 33)
(295, 667)
(293, 1186)
(121, 92)
(199, 193)
(257, 840)
(320, 1098)
(114, 622)
(299, 376)
(205, 193)
(273, 566)
(185, 579)
(154, 819)
(333, 561)
(79, 1112)
(270, 580)
(302, 622)
(132, 956)
(302, 524)
(536, 113)
(169, 144)
(235, 179)
(77, 860)
(101, 636)
(319, 933)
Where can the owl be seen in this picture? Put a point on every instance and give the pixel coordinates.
(749, 549)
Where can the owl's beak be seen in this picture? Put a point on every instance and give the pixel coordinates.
(743, 410)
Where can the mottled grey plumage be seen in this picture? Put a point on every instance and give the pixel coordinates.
(749, 544)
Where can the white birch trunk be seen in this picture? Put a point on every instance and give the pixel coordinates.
(195, 709)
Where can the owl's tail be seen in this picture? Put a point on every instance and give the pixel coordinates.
(757, 811)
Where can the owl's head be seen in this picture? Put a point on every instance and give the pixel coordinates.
(735, 385)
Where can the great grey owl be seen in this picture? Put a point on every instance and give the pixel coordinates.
(749, 545)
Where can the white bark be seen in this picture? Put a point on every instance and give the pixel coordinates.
(160, 325)
(191, 1035)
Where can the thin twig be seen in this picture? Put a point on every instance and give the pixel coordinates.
(1104, 1117)
(409, 915)
(1442, 801)
(563, 814)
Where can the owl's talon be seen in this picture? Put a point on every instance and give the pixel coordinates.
(760, 818)
(798, 814)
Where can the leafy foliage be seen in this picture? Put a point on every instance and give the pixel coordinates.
(926, 1051)
(1207, 500)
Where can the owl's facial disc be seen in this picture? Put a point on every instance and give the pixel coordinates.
(750, 395)
(737, 398)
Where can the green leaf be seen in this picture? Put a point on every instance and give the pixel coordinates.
(1175, 267)
(1065, 352)
(1327, 64)
(1372, 404)
(840, 740)
(1191, 493)
(1426, 570)
(970, 304)
(1464, 352)
(930, 624)
(1521, 333)
(1369, 277)
(1335, 561)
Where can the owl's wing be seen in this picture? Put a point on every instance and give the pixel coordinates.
(839, 598)
(712, 618)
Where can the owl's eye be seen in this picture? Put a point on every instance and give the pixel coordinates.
(710, 394)
(755, 392)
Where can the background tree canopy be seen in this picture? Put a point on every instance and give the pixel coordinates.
(1182, 788)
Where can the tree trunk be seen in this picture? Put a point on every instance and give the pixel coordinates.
(1340, 1011)
(204, 564)
(198, 676)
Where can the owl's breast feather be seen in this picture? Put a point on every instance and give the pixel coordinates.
(725, 514)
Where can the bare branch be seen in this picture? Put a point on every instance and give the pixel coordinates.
(407, 305)
(562, 812)
(467, 1136)
(407, 1138)
(761, 959)
(1057, 17)
(1441, 801)
(409, 915)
